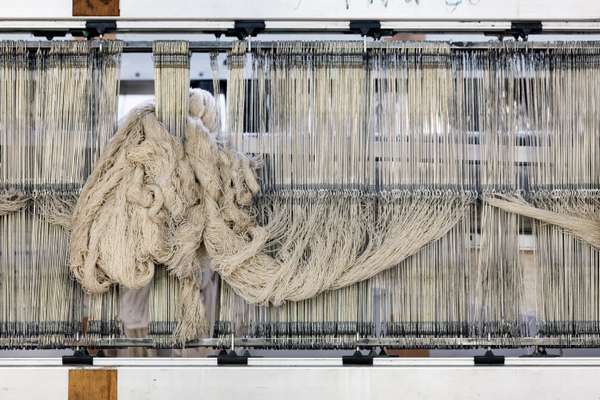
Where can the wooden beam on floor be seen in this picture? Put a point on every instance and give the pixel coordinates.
(93, 384)
(96, 8)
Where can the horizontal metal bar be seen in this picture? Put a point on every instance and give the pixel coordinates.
(191, 26)
(446, 26)
(31, 362)
(153, 362)
(29, 25)
(406, 362)
(306, 26)
(423, 361)
(226, 45)
(210, 25)
(570, 26)
(553, 361)
(226, 342)
(295, 362)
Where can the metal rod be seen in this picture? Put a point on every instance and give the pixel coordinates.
(224, 46)
(407, 342)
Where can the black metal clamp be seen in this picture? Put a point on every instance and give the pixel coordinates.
(489, 358)
(357, 358)
(369, 28)
(93, 28)
(79, 357)
(49, 35)
(520, 30)
(232, 358)
(243, 29)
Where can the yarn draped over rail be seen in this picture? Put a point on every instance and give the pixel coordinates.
(578, 218)
(155, 200)
(142, 206)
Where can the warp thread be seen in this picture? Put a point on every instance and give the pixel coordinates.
(153, 200)
(149, 200)
(584, 226)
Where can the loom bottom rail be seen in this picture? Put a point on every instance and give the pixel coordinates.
(302, 378)
(313, 343)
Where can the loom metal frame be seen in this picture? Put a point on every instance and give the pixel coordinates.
(223, 46)
(322, 378)
(586, 20)
(317, 378)
(295, 16)
(292, 27)
(360, 343)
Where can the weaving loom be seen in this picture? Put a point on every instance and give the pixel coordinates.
(393, 189)
(371, 199)
(428, 141)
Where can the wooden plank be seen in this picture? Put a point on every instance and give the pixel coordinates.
(95, 8)
(412, 353)
(93, 384)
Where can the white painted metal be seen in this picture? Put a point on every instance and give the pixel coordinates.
(180, 25)
(361, 383)
(291, 26)
(566, 26)
(524, 378)
(27, 9)
(30, 362)
(553, 362)
(322, 10)
(423, 362)
(472, 10)
(295, 362)
(34, 383)
(446, 26)
(155, 362)
(177, 362)
(26, 25)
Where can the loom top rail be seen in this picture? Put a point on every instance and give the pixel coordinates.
(224, 46)
(320, 12)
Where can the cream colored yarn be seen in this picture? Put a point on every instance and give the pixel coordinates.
(152, 200)
(572, 218)
(11, 202)
(144, 205)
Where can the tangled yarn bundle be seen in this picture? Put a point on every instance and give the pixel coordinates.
(153, 200)
(12, 202)
(144, 205)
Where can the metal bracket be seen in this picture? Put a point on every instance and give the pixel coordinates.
(95, 28)
(370, 28)
(357, 359)
(520, 30)
(49, 35)
(489, 358)
(244, 29)
(232, 358)
(79, 357)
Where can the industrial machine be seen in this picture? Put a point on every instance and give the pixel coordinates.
(428, 181)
